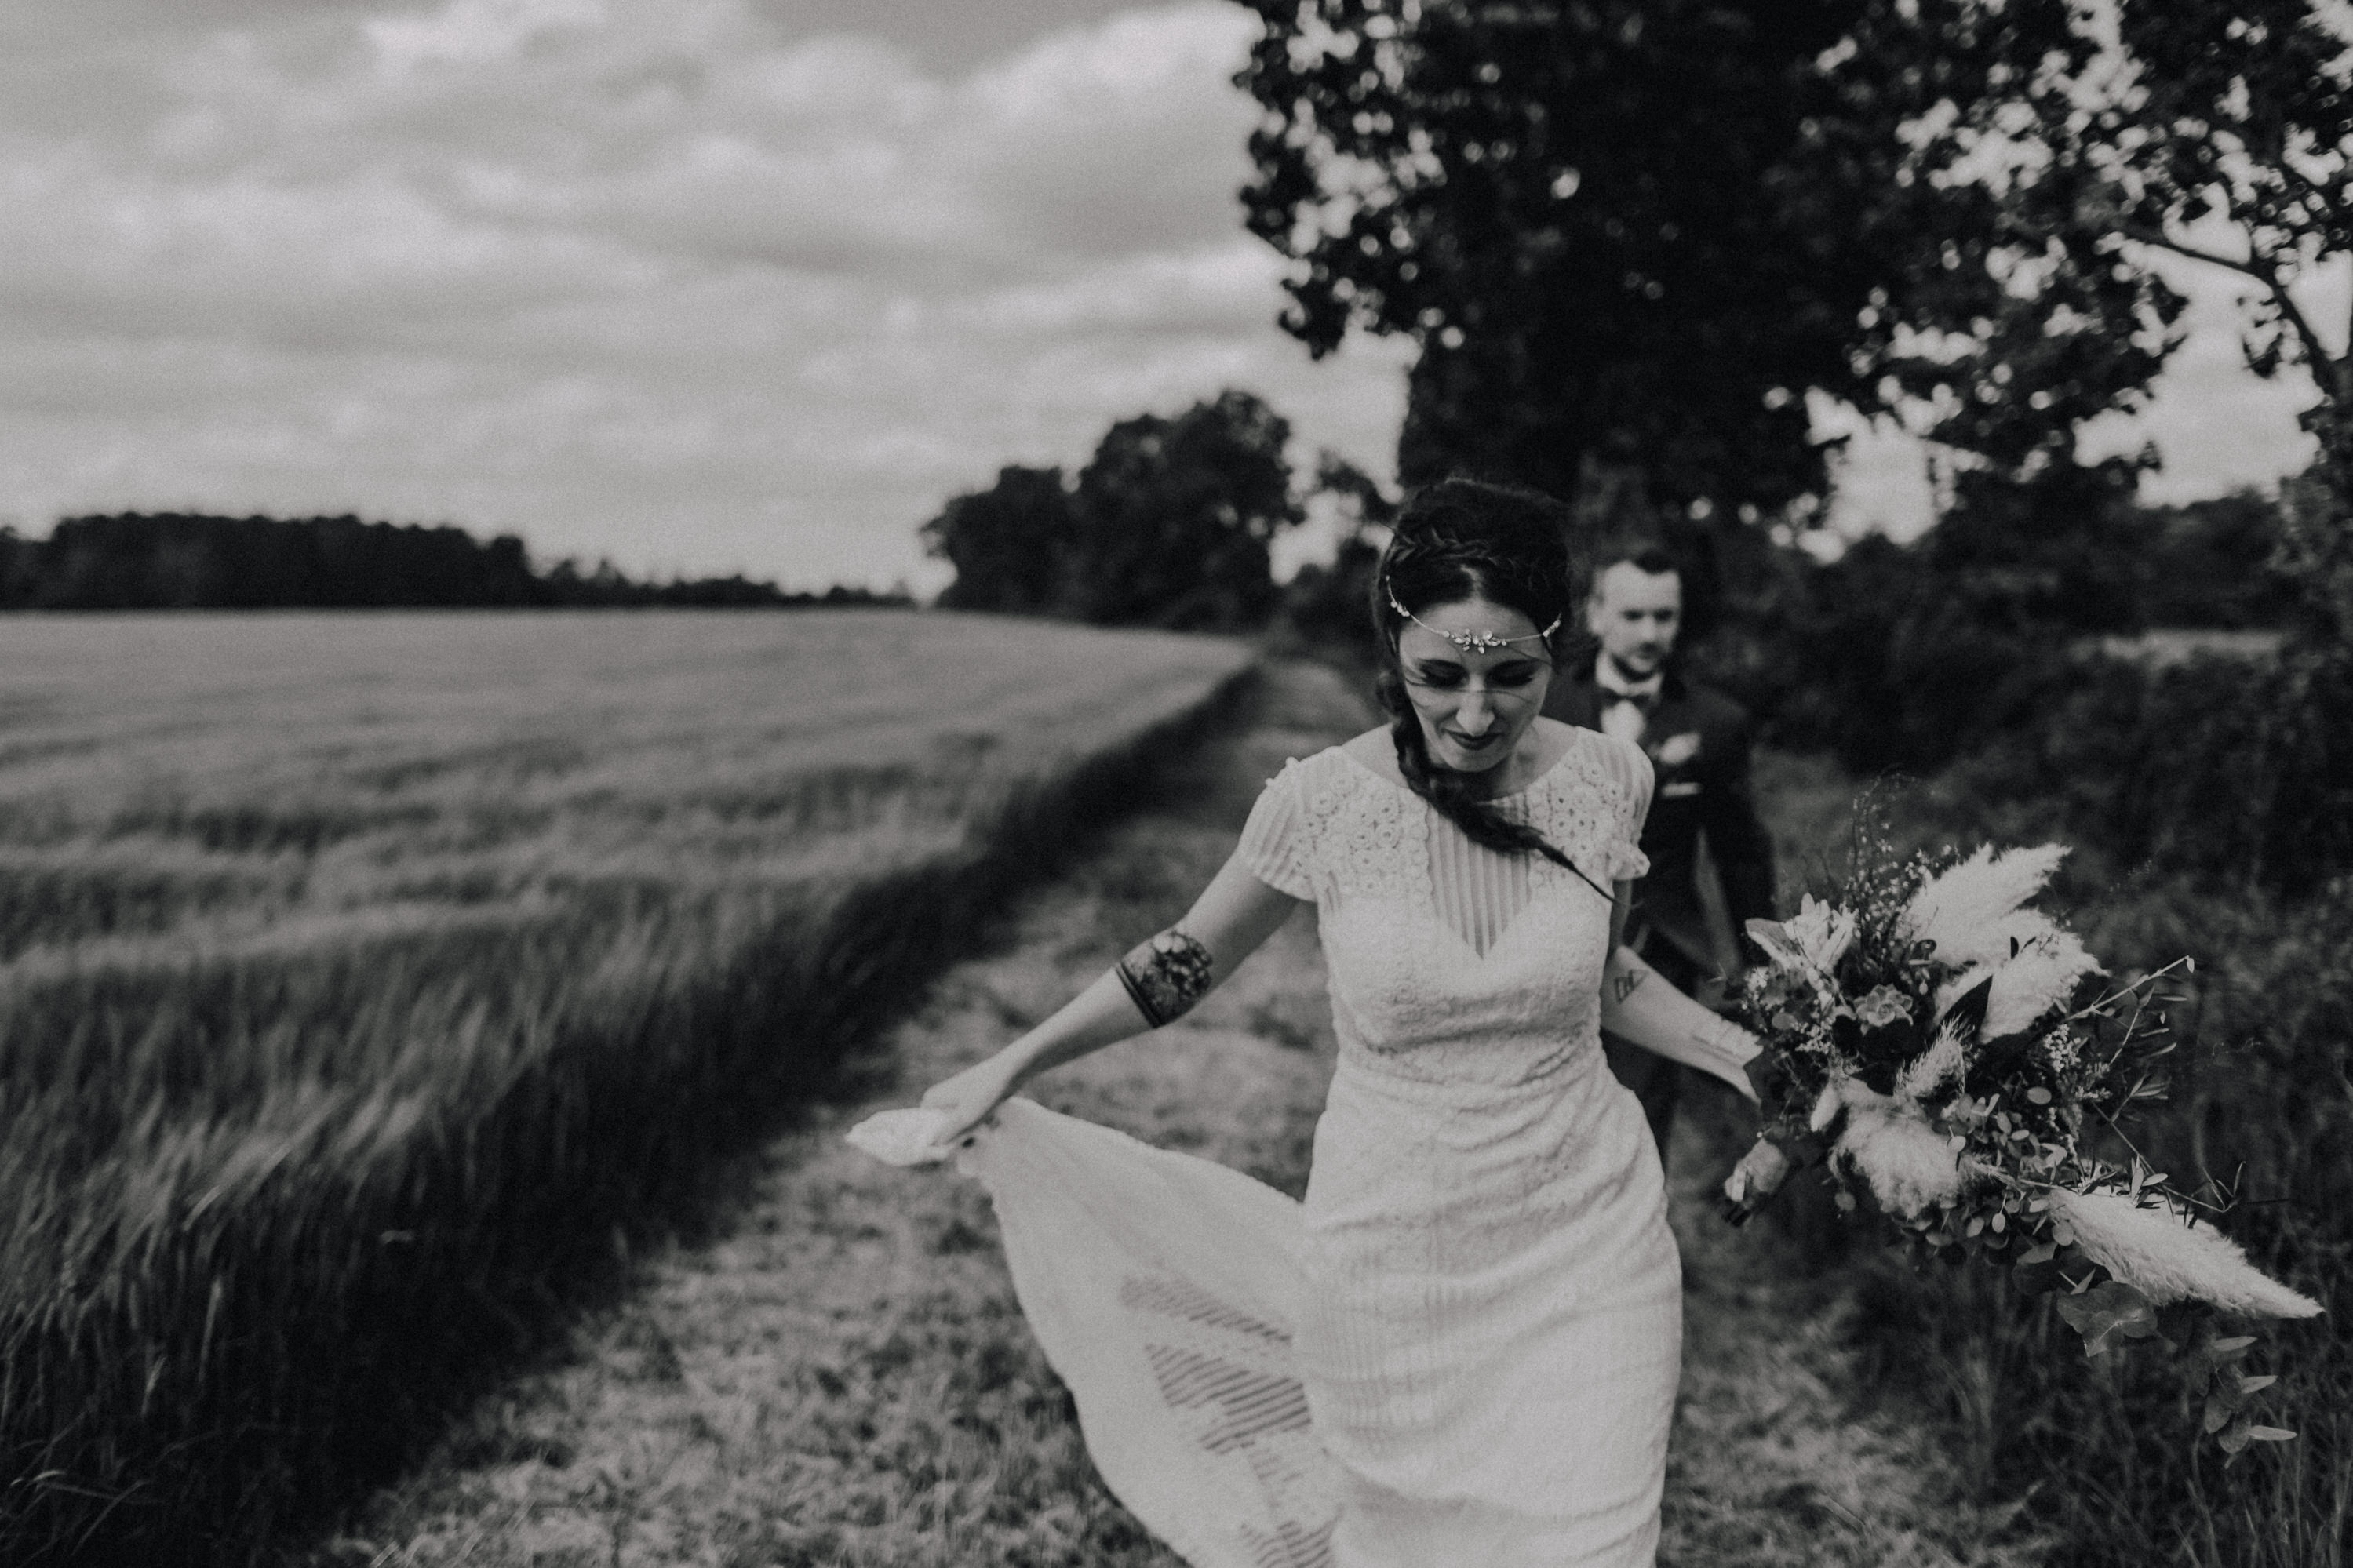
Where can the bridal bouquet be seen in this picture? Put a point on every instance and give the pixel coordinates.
(1949, 1055)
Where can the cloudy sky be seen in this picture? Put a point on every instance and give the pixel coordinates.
(701, 285)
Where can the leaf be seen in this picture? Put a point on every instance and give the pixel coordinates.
(2270, 1433)
(2107, 1311)
(1969, 1009)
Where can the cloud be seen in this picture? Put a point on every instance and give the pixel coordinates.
(473, 32)
(662, 280)
(674, 280)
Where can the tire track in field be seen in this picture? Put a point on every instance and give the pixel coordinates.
(844, 1377)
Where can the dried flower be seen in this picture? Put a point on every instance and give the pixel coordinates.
(1963, 909)
(2061, 1049)
(1943, 1061)
(2042, 975)
(2154, 1250)
(1908, 1163)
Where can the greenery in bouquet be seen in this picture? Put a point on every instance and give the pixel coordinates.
(1956, 1065)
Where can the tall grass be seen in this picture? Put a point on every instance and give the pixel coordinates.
(2112, 1457)
(362, 978)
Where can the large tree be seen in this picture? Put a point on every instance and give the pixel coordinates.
(1629, 235)
(1582, 216)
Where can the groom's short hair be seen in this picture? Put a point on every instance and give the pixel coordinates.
(1647, 556)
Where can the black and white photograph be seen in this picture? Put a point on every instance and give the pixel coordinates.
(1175, 783)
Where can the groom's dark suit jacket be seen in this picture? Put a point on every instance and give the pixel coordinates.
(1698, 742)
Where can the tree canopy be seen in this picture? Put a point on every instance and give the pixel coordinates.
(2106, 143)
(1631, 235)
(1596, 221)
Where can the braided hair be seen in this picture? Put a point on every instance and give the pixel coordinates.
(1464, 539)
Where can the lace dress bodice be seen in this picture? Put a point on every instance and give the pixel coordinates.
(1452, 963)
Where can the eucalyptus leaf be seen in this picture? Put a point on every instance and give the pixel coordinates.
(2107, 1311)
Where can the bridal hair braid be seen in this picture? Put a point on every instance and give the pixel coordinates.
(1456, 540)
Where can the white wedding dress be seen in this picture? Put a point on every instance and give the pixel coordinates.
(1462, 1347)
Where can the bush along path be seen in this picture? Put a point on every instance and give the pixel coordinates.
(844, 1377)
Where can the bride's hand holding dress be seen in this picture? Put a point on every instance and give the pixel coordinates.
(1167, 973)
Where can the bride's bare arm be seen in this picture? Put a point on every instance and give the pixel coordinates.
(1158, 982)
(1638, 1004)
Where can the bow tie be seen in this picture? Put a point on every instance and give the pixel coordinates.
(1645, 700)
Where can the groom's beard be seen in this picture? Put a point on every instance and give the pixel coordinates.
(1631, 676)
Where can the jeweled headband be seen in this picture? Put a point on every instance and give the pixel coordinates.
(1468, 642)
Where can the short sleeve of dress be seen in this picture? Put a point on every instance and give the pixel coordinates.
(1275, 842)
(1635, 777)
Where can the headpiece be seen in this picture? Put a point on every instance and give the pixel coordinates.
(1468, 642)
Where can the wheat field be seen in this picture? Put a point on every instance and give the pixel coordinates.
(359, 974)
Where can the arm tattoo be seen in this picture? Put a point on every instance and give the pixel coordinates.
(1166, 974)
(1625, 984)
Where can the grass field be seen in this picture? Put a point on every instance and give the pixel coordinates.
(362, 978)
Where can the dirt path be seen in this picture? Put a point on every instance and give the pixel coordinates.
(845, 1377)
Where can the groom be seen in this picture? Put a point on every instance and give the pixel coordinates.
(1697, 740)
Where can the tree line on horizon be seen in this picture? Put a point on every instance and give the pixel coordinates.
(190, 560)
(1168, 525)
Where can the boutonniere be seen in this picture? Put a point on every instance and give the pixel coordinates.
(1676, 750)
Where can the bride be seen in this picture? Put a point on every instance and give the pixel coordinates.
(1464, 1347)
